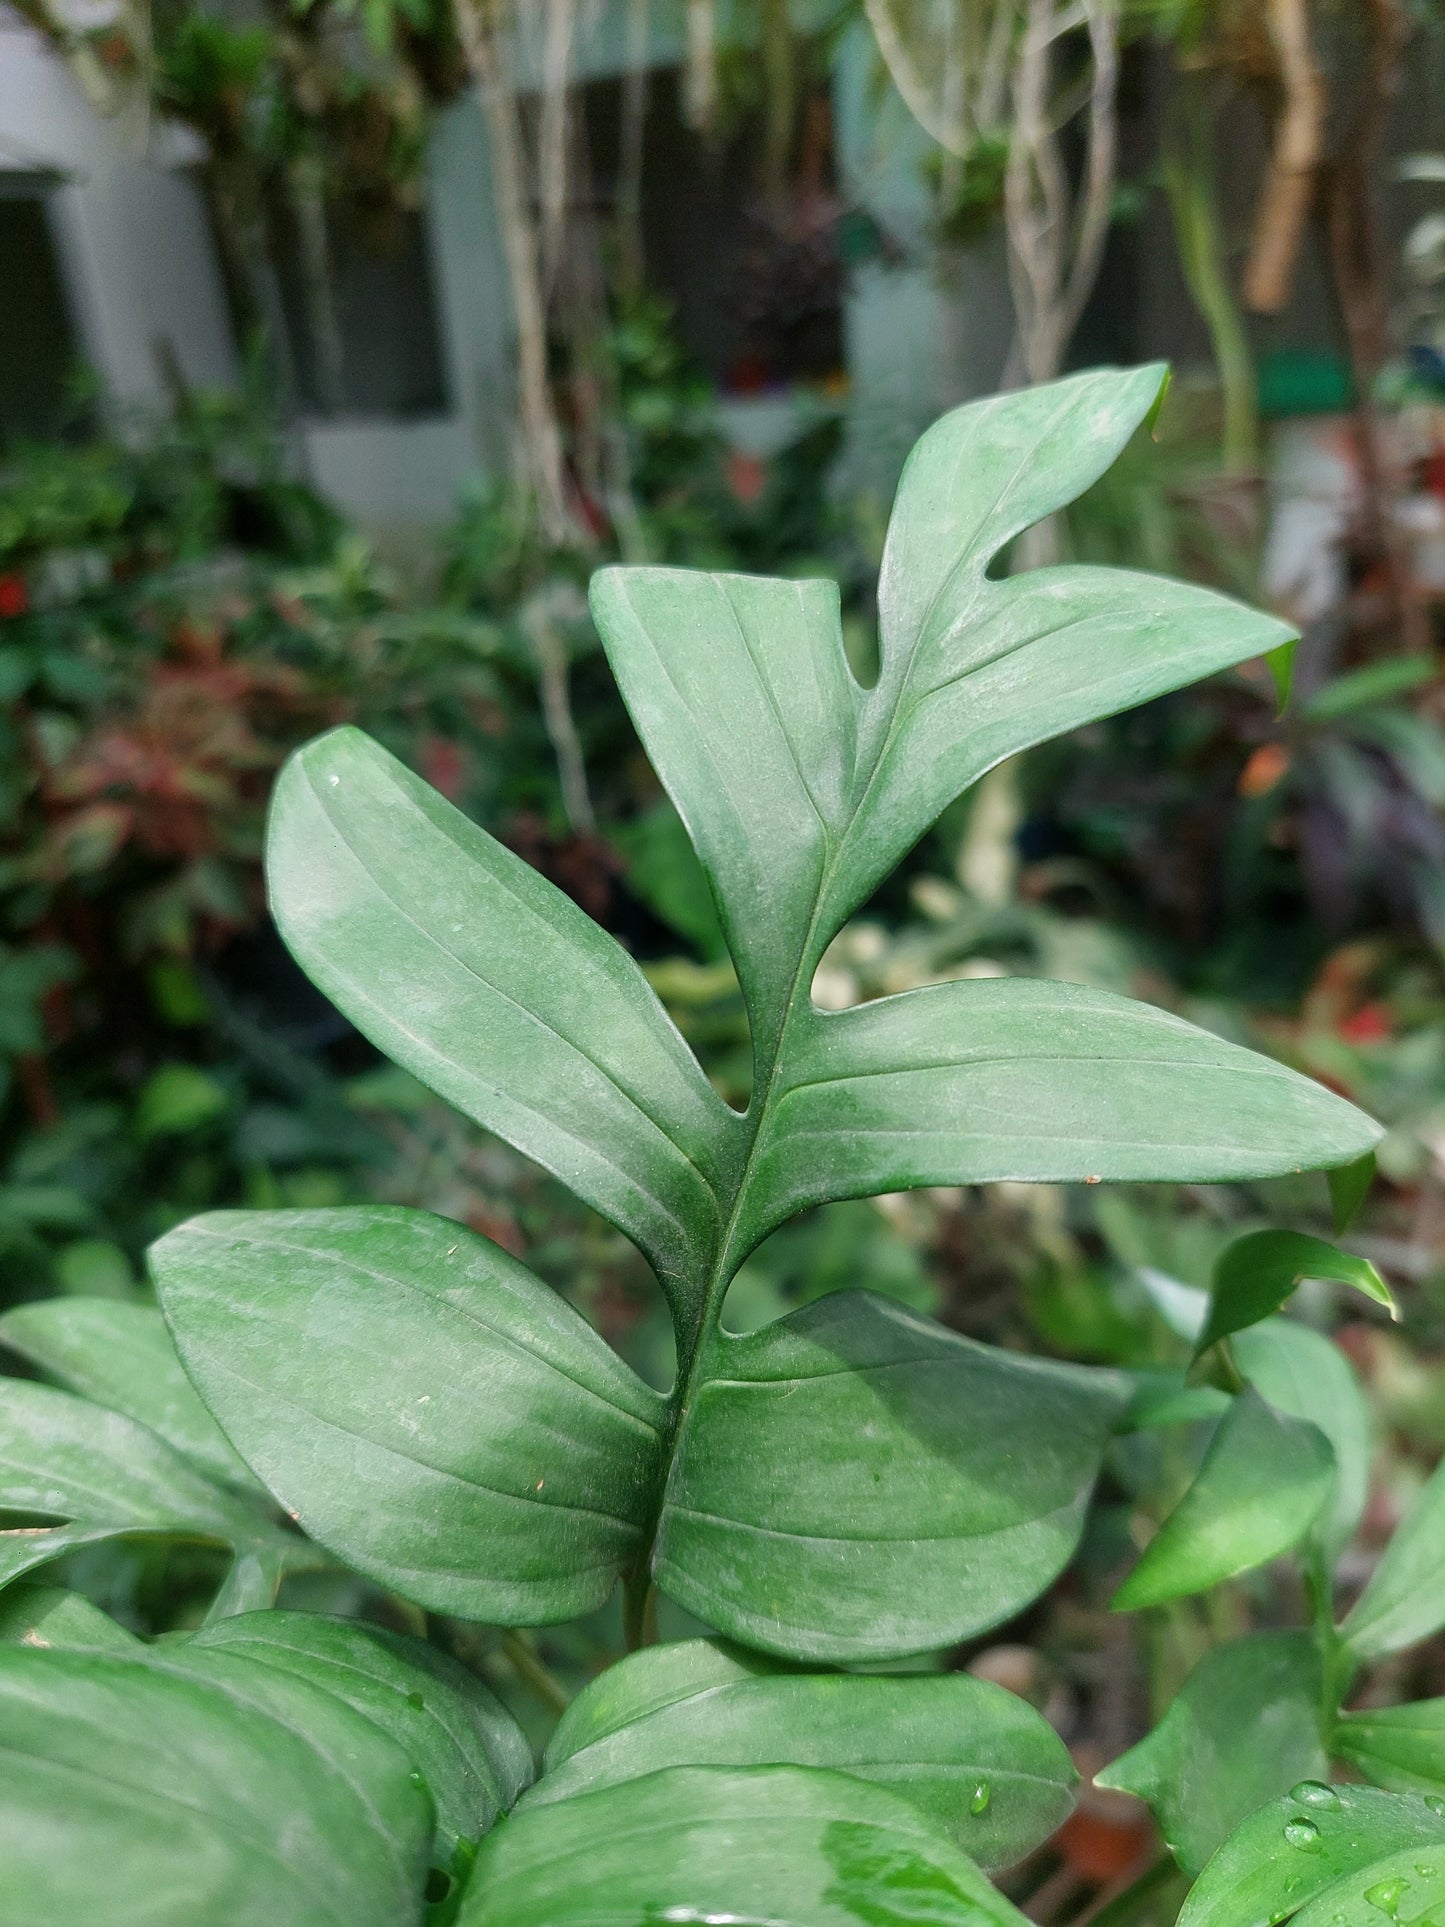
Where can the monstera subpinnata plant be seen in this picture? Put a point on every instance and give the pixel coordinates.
(853, 1484)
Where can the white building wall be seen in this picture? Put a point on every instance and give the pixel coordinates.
(131, 231)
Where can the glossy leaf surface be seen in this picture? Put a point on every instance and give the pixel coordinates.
(1297, 1847)
(1302, 1373)
(1407, 1886)
(856, 1482)
(470, 1751)
(1405, 1599)
(982, 1764)
(784, 1846)
(464, 965)
(1018, 1078)
(1244, 1729)
(1400, 1747)
(65, 1459)
(1259, 1490)
(426, 1407)
(122, 1356)
(141, 1796)
(1258, 1273)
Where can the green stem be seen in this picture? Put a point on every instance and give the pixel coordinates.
(522, 1656)
(1189, 182)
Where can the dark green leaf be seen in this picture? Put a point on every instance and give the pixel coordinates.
(1405, 1599)
(136, 1793)
(63, 1458)
(122, 1356)
(980, 1763)
(1263, 1482)
(1017, 1078)
(1300, 1372)
(1288, 1853)
(481, 978)
(50, 1616)
(1400, 1747)
(426, 1407)
(470, 1751)
(768, 1847)
(855, 1482)
(1244, 1729)
(1257, 1273)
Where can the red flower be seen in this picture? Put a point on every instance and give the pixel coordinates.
(14, 597)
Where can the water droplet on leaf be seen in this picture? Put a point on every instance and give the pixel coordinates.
(1304, 1835)
(1387, 1895)
(1314, 1793)
(978, 1800)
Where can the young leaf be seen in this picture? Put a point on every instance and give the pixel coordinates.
(138, 1792)
(1257, 1273)
(426, 1407)
(781, 1845)
(836, 1492)
(471, 1753)
(1301, 1373)
(50, 1616)
(1244, 1729)
(1405, 1599)
(482, 979)
(1288, 1853)
(107, 1477)
(1257, 1493)
(983, 1765)
(1400, 1747)
(122, 1356)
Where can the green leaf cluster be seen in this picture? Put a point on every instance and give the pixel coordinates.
(852, 1483)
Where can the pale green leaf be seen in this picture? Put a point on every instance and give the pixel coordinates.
(471, 1753)
(139, 1795)
(482, 979)
(65, 1459)
(767, 1847)
(122, 1356)
(982, 1764)
(1020, 1078)
(837, 1494)
(421, 1402)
